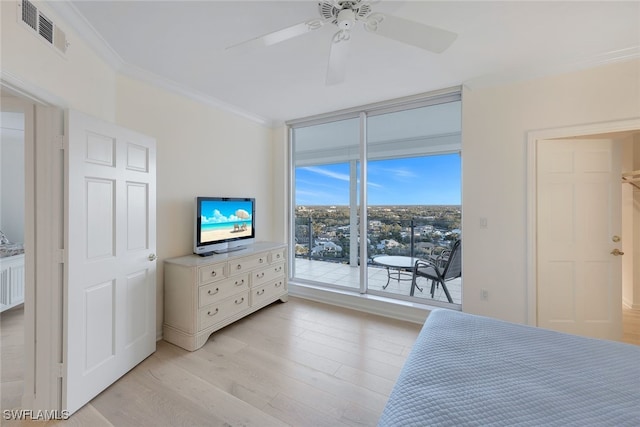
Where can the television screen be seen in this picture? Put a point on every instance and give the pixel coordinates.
(223, 223)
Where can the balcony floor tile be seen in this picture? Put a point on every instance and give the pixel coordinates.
(345, 275)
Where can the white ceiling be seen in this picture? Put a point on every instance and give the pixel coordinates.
(181, 45)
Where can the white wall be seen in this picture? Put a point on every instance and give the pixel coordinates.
(494, 131)
(201, 150)
(280, 184)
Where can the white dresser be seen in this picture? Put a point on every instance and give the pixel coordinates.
(204, 294)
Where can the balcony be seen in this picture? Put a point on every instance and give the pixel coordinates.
(344, 275)
(324, 252)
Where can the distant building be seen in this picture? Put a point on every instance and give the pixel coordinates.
(426, 230)
(325, 247)
(387, 244)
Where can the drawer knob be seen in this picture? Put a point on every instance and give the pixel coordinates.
(213, 274)
(260, 292)
(260, 275)
(210, 292)
(240, 301)
(261, 260)
(279, 269)
(239, 282)
(212, 313)
(278, 284)
(278, 256)
(239, 267)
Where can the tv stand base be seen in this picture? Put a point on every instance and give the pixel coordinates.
(233, 249)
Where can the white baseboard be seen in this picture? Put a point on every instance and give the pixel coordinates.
(373, 304)
(630, 305)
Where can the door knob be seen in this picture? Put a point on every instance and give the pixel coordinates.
(617, 252)
(152, 257)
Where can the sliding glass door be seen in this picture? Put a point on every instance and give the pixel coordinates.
(326, 176)
(413, 197)
(408, 157)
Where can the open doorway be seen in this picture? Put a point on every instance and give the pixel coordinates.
(37, 339)
(610, 278)
(16, 125)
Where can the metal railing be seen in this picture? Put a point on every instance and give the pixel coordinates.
(327, 238)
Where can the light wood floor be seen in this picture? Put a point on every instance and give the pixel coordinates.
(300, 363)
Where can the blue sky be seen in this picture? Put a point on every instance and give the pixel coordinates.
(214, 212)
(429, 180)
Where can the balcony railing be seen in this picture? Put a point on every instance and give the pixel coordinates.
(329, 239)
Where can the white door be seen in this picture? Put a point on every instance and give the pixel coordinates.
(579, 222)
(110, 287)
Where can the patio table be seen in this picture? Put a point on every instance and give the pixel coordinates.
(399, 263)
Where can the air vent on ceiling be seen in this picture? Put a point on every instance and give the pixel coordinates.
(43, 26)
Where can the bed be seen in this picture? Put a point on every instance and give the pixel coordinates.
(467, 370)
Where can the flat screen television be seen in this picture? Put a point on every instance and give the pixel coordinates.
(223, 224)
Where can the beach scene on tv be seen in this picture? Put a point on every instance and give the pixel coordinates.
(226, 220)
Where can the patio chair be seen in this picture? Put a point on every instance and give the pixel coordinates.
(439, 274)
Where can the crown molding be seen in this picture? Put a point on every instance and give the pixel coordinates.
(76, 20)
(524, 74)
(72, 17)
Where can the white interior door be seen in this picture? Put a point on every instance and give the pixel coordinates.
(579, 219)
(110, 287)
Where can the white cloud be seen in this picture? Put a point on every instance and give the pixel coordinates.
(218, 218)
(330, 174)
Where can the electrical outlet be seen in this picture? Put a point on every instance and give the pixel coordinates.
(484, 294)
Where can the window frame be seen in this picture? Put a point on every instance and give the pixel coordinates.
(452, 94)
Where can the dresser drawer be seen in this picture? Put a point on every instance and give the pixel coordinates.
(266, 291)
(211, 273)
(214, 292)
(266, 274)
(277, 256)
(245, 264)
(214, 313)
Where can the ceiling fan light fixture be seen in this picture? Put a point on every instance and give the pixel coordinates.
(346, 19)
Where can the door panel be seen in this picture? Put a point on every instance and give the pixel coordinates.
(579, 211)
(109, 318)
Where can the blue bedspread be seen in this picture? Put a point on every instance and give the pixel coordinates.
(467, 370)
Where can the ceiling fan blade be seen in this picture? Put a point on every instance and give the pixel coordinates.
(410, 32)
(281, 35)
(338, 57)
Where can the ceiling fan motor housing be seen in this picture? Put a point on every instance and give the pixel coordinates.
(332, 10)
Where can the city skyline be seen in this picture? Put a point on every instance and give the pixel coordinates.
(427, 180)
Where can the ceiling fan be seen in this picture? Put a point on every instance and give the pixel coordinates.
(344, 15)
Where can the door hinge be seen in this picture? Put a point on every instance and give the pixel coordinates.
(59, 370)
(60, 255)
(60, 142)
